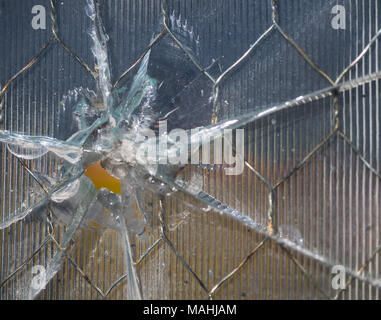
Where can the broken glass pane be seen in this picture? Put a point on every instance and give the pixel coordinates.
(252, 158)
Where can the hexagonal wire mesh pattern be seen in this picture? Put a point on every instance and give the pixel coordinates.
(311, 181)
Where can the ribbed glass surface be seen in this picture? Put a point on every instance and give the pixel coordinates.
(306, 91)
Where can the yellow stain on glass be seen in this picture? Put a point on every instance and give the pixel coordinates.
(102, 179)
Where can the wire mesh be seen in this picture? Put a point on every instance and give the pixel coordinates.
(312, 159)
